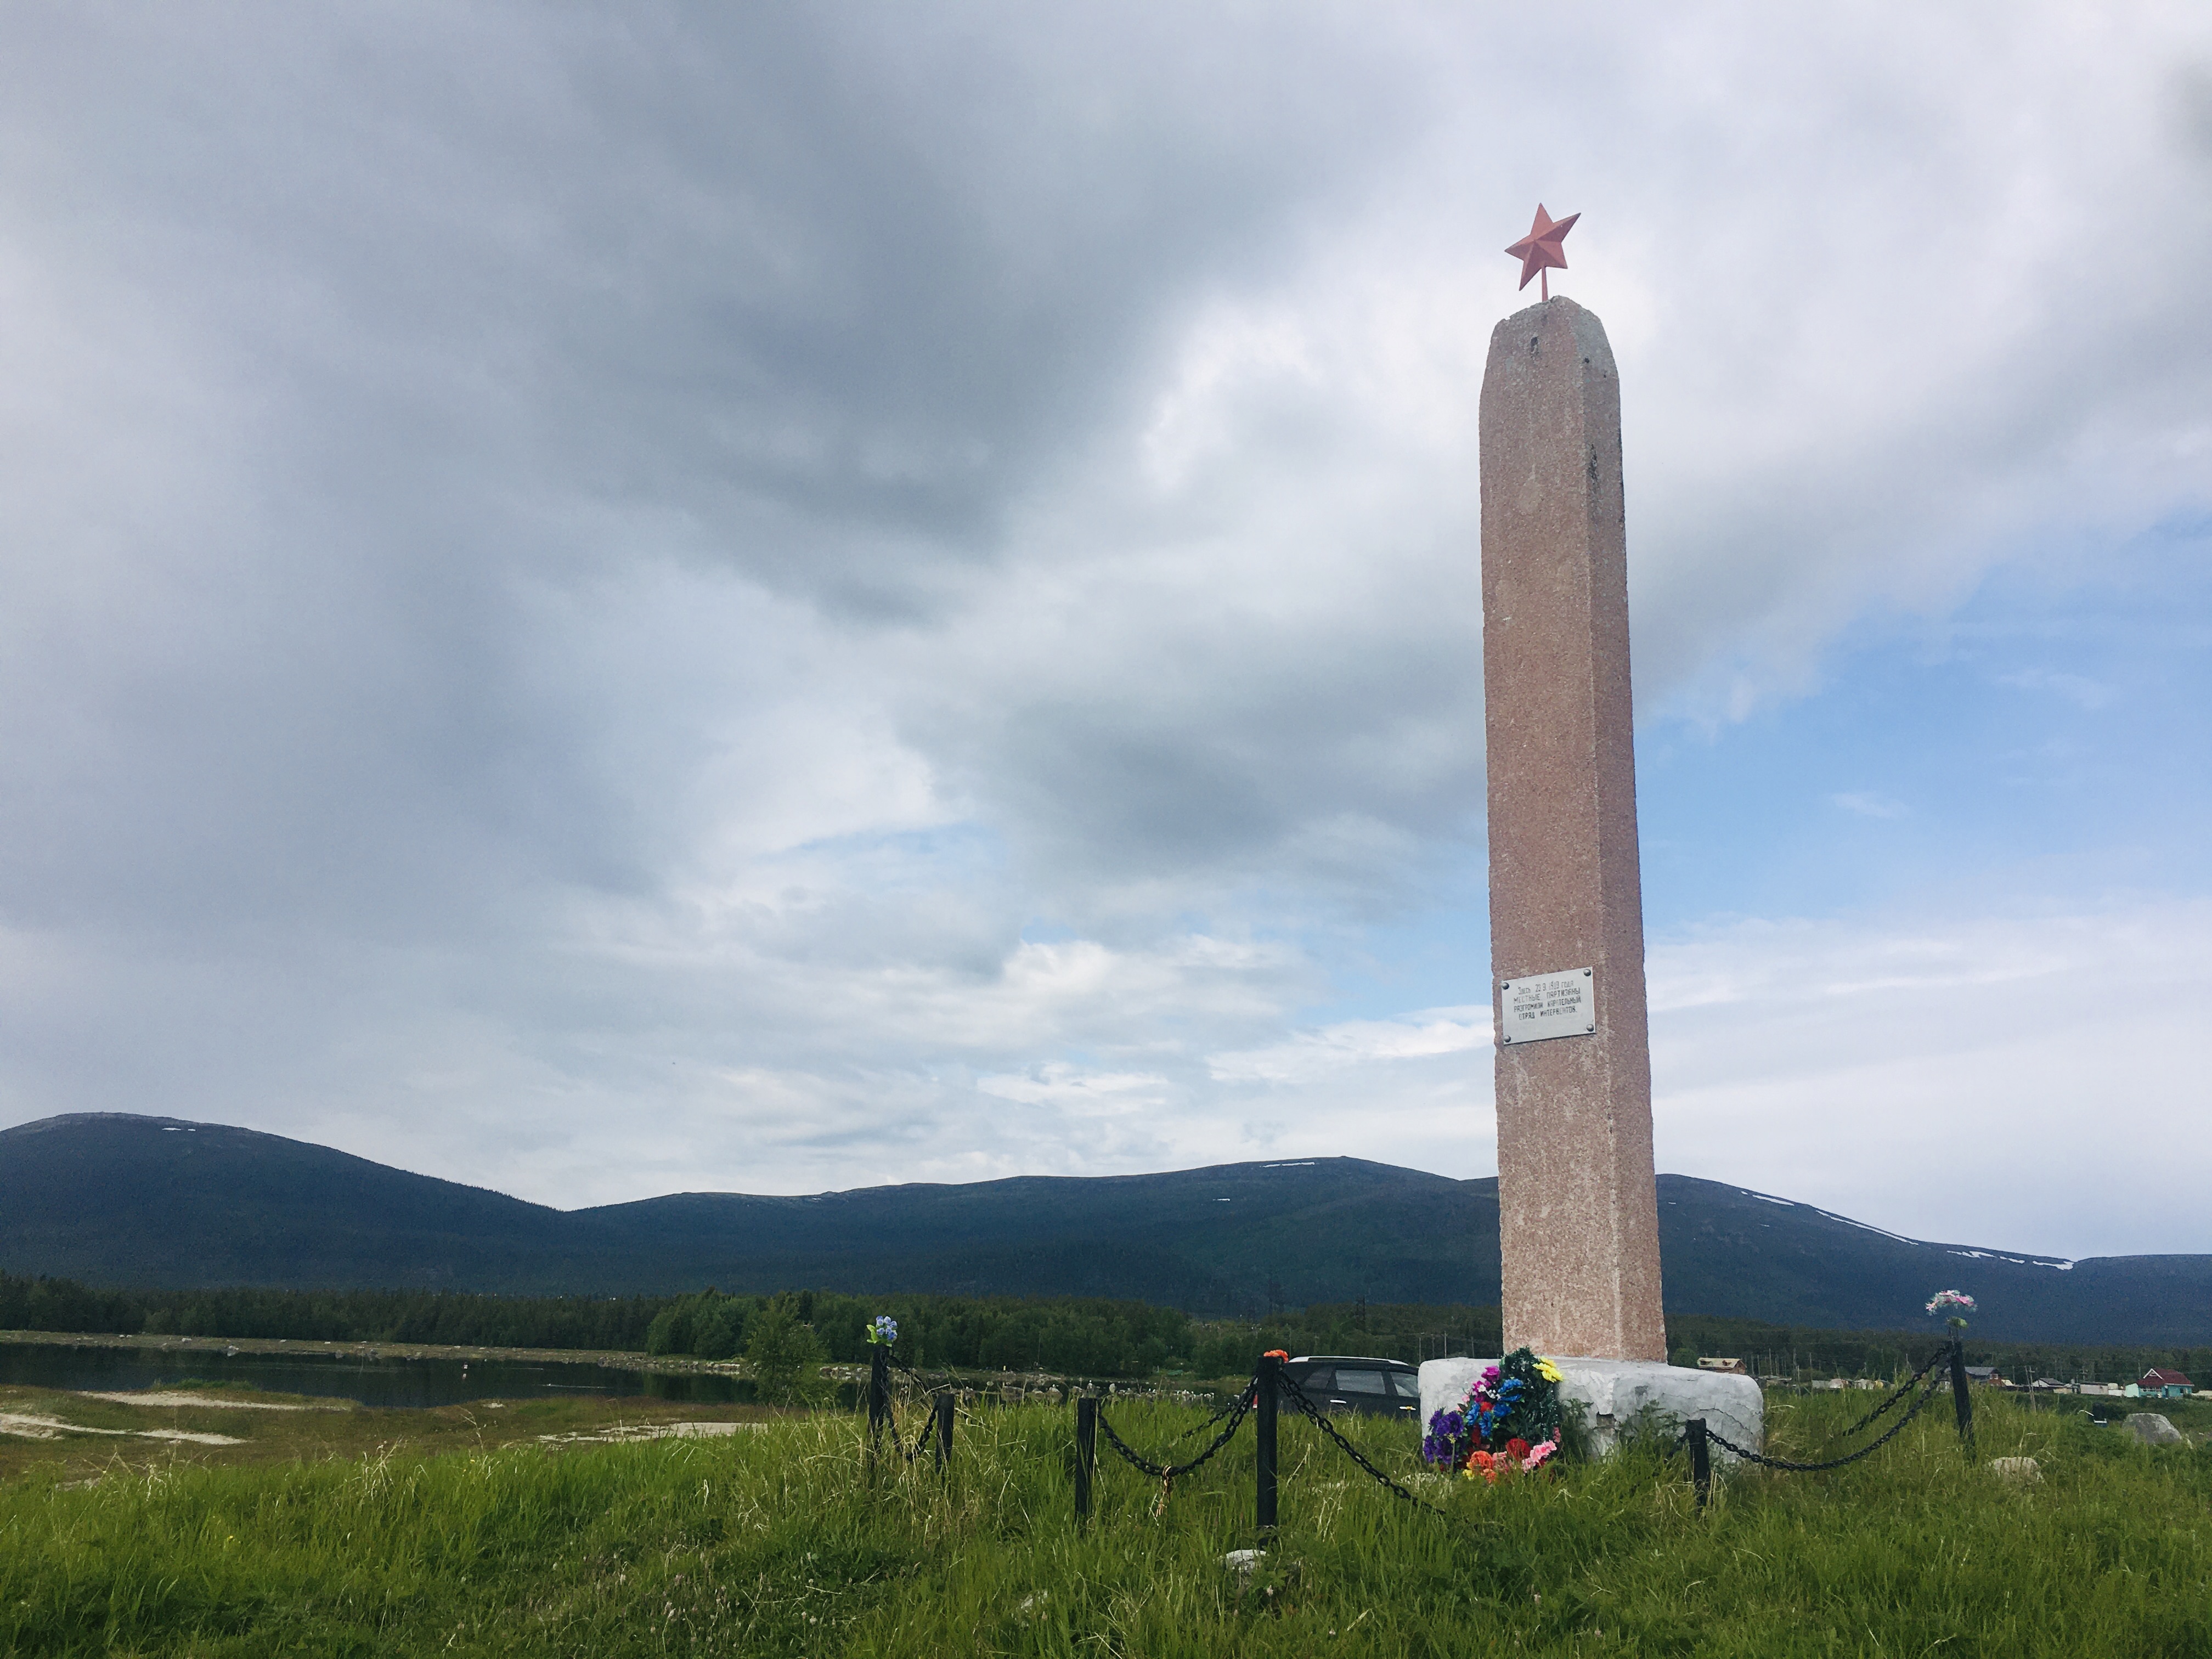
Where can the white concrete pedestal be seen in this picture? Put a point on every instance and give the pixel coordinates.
(1610, 1393)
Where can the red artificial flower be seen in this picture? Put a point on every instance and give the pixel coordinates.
(1517, 1447)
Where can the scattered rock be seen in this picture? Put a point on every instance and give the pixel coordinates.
(1246, 1562)
(2152, 1430)
(2017, 1471)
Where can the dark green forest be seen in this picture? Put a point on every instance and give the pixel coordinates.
(1079, 1336)
(491, 1322)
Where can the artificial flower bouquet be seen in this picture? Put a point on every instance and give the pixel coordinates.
(1508, 1422)
(1957, 1303)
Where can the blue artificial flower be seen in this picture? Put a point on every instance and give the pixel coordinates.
(884, 1330)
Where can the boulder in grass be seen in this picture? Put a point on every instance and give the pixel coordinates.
(2152, 1430)
(2017, 1471)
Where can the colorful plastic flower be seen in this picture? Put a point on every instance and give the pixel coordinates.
(884, 1330)
(1943, 1299)
(1549, 1372)
(1532, 1458)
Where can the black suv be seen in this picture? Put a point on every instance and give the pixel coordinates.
(1346, 1382)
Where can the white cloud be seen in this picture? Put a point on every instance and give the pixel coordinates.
(2028, 1082)
(1357, 1042)
(1088, 1092)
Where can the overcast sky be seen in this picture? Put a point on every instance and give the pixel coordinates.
(602, 601)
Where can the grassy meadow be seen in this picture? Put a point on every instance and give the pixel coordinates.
(338, 1534)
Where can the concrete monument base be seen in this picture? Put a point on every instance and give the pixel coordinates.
(1611, 1393)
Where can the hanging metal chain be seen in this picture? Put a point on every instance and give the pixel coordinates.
(1895, 1429)
(1321, 1421)
(921, 1440)
(1218, 1415)
(900, 1365)
(1164, 1473)
(928, 1420)
(1902, 1389)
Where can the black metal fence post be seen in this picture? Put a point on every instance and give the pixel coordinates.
(943, 1430)
(1270, 1384)
(1959, 1396)
(1701, 1459)
(1086, 1453)
(880, 1398)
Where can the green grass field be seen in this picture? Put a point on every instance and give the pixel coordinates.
(774, 1540)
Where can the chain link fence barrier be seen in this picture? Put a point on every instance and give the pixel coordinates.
(1162, 1471)
(1321, 1421)
(1869, 1450)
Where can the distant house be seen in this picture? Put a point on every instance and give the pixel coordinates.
(1988, 1376)
(1715, 1363)
(2159, 1385)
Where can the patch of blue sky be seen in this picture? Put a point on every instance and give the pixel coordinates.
(1436, 959)
(2048, 743)
(2045, 745)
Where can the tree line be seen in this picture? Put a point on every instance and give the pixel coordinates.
(1068, 1335)
(1799, 1352)
(459, 1318)
(1075, 1335)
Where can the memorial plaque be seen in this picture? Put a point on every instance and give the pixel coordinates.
(1546, 1006)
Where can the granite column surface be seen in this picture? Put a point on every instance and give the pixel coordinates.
(1577, 1200)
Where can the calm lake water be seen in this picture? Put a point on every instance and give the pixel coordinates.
(394, 1381)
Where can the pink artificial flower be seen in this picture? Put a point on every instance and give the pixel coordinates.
(1537, 1453)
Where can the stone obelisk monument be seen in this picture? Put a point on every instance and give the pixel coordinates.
(1578, 1203)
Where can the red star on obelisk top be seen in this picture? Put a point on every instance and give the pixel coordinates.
(1540, 247)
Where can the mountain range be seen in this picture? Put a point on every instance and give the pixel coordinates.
(121, 1200)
